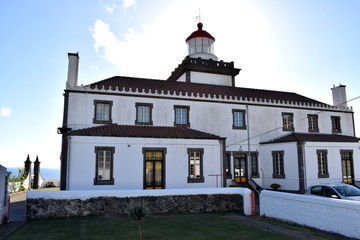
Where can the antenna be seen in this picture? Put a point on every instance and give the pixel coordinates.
(199, 17)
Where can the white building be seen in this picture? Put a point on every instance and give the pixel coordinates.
(4, 196)
(136, 133)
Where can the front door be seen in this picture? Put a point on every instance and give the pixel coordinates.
(240, 168)
(154, 169)
(347, 167)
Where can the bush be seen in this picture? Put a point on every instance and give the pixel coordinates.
(275, 186)
(50, 184)
(137, 211)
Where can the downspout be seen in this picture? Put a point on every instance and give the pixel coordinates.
(301, 161)
(248, 142)
(222, 162)
(64, 144)
(353, 123)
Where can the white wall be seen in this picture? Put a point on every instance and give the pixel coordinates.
(214, 116)
(291, 180)
(4, 195)
(334, 161)
(129, 161)
(332, 215)
(211, 78)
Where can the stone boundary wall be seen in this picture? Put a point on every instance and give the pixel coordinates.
(52, 204)
(327, 214)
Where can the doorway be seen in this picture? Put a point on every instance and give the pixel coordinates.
(347, 167)
(154, 169)
(240, 168)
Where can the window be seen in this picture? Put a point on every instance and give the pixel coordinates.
(254, 165)
(278, 164)
(182, 116)
(335, 124)
(313, 123)
(143, 113)
(102, 111)
(195, 157)
(104, 165)
(322, 164)
(227, 165)
(239, 119)
(288, 121)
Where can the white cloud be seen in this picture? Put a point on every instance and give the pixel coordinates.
(128, 3)
(5, 112)
(110, 7)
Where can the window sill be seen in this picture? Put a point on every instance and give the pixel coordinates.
(279, 176)
(196, 180)
(104, 182)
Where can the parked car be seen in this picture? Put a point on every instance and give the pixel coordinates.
(340, 191)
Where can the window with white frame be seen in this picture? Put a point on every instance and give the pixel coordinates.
(102, 111)
(288, 121)
(195, 157)
(104, 165)
(239, 119)
(322, 164)
(182, 116)
(278, 164)
(143, 113)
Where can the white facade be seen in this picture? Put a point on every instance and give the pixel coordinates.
(129, 161)
(4, 196)
(247, 124)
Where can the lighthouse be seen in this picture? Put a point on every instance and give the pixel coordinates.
(201, 44)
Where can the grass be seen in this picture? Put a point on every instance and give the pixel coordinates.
(181, 226)
(48, 189)
(308, 230)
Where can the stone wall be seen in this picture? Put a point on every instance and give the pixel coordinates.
(52, 208)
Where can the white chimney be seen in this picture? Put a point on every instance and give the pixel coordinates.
(73, 70)
(339, 96)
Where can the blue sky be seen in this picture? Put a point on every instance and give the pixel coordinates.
(301, 46)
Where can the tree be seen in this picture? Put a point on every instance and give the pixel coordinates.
(137, 211)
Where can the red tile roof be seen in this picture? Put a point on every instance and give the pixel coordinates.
(187, 89)
(308, 137)
(115, 130)
(200, 33)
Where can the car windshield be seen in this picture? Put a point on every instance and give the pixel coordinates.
(348, 191)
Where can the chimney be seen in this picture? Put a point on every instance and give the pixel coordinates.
(73, 70)
(339, 96)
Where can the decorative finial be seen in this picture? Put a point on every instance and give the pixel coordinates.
(199, 17)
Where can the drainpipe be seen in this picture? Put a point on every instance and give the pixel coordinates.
(248, 141)
(222, 157)
(301, 167)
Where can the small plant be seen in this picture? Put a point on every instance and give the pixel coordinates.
(50, 184)
(275, 186)
(137, 211)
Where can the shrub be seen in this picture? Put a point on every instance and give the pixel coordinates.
(275, 186)
(137, 211)
(49, 184)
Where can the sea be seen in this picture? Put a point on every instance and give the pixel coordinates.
(46, 173)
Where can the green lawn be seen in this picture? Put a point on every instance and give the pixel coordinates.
(181, 226)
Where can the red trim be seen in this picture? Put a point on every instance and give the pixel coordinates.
(200, 33)
(253, 204)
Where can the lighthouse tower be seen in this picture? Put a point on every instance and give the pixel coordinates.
(201, 65)
(201, 44)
